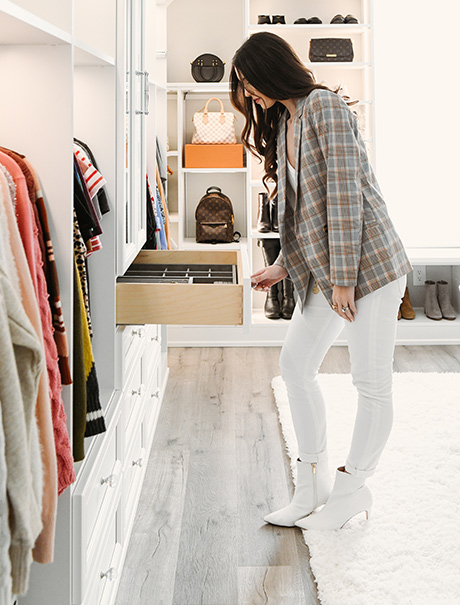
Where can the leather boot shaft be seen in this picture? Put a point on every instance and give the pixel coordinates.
(263, 214)
(274, 214)
(270, 250)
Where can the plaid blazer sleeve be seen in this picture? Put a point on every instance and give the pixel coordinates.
(336, 133)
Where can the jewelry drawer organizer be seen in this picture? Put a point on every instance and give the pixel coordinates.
(187, 287)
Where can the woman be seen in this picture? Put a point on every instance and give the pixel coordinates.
(347, 263)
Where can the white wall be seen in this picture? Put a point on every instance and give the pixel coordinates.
(204, 26)
(417, 117)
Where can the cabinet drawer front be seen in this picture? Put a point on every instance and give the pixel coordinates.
(179, 303)
(134, 471)
(134, 394)
(152, 405)
(103, 484)
(151, 352)
(104, 569)
(133, 342)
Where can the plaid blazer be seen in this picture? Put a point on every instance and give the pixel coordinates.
(339, 230)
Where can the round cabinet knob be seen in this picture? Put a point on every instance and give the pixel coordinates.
(111, 480)
(110, 574)
(137, 462)
(138, 332)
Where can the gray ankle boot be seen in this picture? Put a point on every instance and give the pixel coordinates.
(432, 309)
(447, 310)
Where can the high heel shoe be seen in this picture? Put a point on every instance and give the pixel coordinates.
(312, 489)
(350, 496)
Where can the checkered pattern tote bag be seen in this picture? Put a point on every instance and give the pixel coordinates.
(214, 128)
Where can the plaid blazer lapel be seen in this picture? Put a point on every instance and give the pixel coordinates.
(281, 159)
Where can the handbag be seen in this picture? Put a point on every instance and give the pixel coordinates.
(214, 218)
(208, 68)
(212, 127)
(331, 49)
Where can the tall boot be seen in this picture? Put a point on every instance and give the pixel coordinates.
(407, 311)
(312, 489)
(447, 310)
(270, 251)
(350, 496)
(432, 308)
(274, 214)
(287, 302)
(263, 214)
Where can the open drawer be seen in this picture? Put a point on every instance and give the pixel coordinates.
(188, 287)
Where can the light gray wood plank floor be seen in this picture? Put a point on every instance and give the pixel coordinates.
(217, 466)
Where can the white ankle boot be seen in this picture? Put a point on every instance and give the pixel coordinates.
(349, 497)
(312, 489)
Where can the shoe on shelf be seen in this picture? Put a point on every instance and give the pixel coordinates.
(431, 306)
(350, 19)
(287, 301)
(312, 489)
(301, 21)
(338, 19)
(263, 214)
(314, 21)
(278, 19)
(350, 496)
(406, 309)
(263, 19)
(270, 250)
(447, 309)
(274, 214)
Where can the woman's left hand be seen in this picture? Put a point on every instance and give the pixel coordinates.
(343, 299)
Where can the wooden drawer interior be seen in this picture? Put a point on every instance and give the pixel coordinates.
(142, 298)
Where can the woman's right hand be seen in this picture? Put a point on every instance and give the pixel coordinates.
(267, 277)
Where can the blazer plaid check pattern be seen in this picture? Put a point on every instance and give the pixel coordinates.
(339, 230)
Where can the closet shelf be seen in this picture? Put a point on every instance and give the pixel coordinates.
(434, 256)
(213, 170)
(199, 86)
(189, 243)
(19, 26)
(173, 217)
(85, 54)
(338, 64)
(270, 235)
(320, 28)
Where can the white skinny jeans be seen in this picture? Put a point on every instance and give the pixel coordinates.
(371, 341)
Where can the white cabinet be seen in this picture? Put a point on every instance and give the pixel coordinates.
(135, 104)
(86, 65)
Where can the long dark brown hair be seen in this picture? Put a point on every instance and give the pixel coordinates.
(273, 68)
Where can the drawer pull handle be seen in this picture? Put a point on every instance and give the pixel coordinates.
(138, 332)
(137, 462)
(110, 574)
(111, 480)
(140, 391)
(156, 394)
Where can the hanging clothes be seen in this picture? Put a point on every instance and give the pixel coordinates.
(88, 419)
(100, 194)
(64, 458)
(25, 480)
(35, 302)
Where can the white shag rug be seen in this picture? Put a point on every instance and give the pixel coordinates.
(408, 553)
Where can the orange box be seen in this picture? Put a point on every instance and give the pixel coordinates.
(213, 156)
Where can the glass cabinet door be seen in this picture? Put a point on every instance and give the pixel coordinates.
(132, 227)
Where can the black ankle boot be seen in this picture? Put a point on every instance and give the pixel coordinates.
(263, 214)
(270, 251)
(287, 304)
(274, 214)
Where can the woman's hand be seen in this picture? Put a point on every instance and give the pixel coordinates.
(343, 299)
(264, 279)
